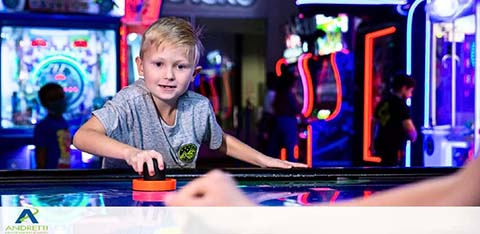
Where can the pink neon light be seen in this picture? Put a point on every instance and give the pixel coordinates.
(302, 199)
(334, 198)
(338, 83)
(306, 84)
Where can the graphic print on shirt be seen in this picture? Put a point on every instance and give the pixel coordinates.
(384, 114)
(187, 153)
(64, 141)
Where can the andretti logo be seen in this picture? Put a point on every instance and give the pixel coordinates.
(27, 223)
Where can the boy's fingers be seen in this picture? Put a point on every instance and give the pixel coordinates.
(151, 170)
(301, 165)
(159, 158)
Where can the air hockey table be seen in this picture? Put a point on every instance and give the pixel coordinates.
(268, 187)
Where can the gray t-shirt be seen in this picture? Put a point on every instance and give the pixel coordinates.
(131, 117)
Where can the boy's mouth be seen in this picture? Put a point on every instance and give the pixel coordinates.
(167, 86)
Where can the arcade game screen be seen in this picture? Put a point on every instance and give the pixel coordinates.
(83, 61)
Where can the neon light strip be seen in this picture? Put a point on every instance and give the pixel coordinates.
(454, 79)
(409, 36)
(367, 90)
(123, 57)
(213, 90)
(278, 66)
(309, 145)
(338, 83)
(409, 65)
(334, 197)
(428, 56)
(477, 81)
(306, 83)
(295, 152)
(433, 80)
(283, 154)
(353, 2)
(228, 93)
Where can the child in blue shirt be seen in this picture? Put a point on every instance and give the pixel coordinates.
(52, 135)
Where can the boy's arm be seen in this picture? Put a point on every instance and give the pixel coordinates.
(239, 150)
(410, 130)
(40, 156)
(91, 138)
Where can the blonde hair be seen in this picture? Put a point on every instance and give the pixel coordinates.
(172, 31)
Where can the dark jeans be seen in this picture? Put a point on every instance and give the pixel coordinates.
(285, 135)
(391, 157)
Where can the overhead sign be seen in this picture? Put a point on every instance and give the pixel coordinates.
(240, 3)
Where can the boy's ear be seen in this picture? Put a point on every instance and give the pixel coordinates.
(197, 70)
(138, 61)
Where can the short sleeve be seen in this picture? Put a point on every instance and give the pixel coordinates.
(112, 115)
(213, 132)
(404, 112)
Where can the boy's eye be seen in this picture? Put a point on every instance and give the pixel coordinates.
(182, 66)
(158, 64)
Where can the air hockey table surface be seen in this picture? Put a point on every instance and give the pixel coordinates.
(268, 187)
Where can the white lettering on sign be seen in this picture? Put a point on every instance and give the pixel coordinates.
(242, 3)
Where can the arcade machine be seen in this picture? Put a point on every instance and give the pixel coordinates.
(139, 14)
(452, 106)
(214, 82)
(321, 66)
(54, 43)
(373, 53)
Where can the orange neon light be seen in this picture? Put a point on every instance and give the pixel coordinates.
(309, 145)
(308, 103)
(367, 194)
(367, 89)
(283, 154)
(278, 66)
(123, 57)
(338, 83)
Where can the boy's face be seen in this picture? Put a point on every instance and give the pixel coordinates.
(167, 71)
(407, 92)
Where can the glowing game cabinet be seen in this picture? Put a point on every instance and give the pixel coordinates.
(452, 86)
(83, 61)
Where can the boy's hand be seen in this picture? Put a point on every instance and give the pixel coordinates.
(277, 163)
(215, 188)
(136, 158)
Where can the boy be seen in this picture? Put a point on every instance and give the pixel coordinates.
(157, 117)
(51, 135)
(393, 123)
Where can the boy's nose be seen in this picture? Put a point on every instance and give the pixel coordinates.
(169, 74)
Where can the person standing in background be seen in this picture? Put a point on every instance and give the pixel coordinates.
(392, 123)
(52, 136)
